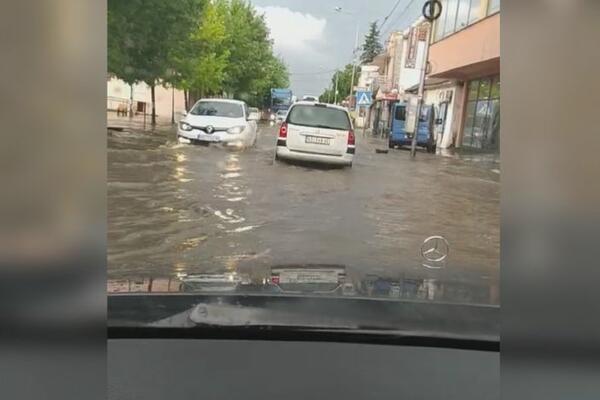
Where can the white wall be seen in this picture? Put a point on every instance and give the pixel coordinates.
(118, 90)
(432, 96)
(410, 76)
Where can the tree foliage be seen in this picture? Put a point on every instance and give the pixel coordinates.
(141, 34)
(344, 84)
(204, 47)
(372, 46)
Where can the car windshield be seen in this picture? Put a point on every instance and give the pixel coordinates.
(319, 116)
(218, 109)
(222, 181)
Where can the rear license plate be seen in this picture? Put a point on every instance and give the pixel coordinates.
(317, 140)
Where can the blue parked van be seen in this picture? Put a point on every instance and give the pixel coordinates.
(425, 137)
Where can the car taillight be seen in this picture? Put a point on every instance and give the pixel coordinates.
(283, 131)
(275, 280)
(351, 138)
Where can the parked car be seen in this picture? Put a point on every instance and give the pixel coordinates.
(223, 121)
(254, 114)
(280, 116)
(425, 135)
(317, 132)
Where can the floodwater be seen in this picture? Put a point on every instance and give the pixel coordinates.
(177, 208)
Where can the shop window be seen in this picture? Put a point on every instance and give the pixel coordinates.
(493, 6)
(440, 22)
(482, 116)
(484, 88)
(450, 25)
(474, 11)
(400, 113)
(495, 93)
(462, 16)
(473, 90)
(458, 14)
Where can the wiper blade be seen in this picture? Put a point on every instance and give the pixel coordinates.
(231, 315)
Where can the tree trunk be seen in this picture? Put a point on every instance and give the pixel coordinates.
(186, 95)
(152, 91)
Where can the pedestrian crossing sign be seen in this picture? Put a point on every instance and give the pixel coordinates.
(364, 98)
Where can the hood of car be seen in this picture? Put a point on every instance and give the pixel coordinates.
(216, 122)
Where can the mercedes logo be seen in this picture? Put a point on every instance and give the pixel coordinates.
(210, 129)
(435, 249)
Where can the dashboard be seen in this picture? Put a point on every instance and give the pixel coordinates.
(258, 369)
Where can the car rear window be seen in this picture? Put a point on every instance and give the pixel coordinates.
(319, 117)
(400, 113)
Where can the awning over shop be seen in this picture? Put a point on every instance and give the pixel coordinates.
(430, 83)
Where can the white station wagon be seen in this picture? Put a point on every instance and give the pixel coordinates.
(317, 132)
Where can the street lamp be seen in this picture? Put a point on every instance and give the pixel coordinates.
(340, 10)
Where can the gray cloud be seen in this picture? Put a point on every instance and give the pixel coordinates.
(317, 50)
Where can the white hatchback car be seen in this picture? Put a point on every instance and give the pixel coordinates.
(317, 132)
(223, 121)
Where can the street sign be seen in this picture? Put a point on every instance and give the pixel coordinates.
(364, 98)
(432, 10)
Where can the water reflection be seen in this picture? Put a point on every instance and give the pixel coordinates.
(315, 280)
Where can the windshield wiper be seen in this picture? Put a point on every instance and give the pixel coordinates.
(304, 318)
(228, 321)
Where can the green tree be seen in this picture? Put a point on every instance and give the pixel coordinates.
(274, 75)
(141, 34)
(204, 47)
(344, 85)
(250, 47)
(199, 61)
(372, 46)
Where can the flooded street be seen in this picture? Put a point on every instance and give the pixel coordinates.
(177, 208)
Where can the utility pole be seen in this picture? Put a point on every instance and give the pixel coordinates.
(421, 92)
(341, 10)
(131, 101)
(173, 105)
(432, 10)
(336, 87)
(354, 51)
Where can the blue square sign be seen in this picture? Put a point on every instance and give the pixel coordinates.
(364, 98)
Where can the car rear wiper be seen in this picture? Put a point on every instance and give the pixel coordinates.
(321, 126)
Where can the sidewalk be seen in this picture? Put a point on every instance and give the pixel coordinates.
(137, 122)
(487, 161)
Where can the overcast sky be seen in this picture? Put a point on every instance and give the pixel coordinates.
(311, 37)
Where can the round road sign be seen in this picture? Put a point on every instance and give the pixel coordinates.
(432, 9)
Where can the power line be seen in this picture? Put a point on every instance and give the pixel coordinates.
(389, 14)
(388, 31)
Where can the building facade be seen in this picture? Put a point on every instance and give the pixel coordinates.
(465, 54)
(368, 80)
(139, 98)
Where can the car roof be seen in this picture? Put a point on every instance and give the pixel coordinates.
(224, 101)
(314, 103)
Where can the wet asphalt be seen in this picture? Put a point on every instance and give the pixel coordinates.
(176, 208)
